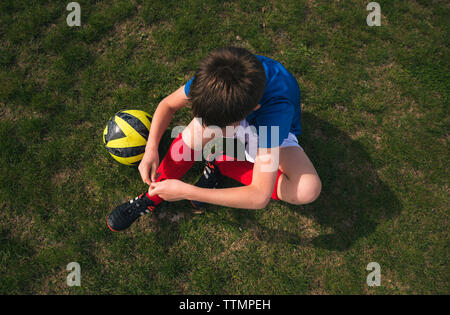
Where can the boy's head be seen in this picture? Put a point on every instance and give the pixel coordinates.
(227, 86)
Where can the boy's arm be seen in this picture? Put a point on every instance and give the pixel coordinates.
(160, 121)
(163, 115)
(254, 196)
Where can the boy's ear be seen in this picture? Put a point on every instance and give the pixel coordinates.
(257, 107)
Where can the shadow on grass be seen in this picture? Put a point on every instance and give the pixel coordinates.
(354, 200)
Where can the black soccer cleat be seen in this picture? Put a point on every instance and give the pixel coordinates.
(125, 214)
(211, 178)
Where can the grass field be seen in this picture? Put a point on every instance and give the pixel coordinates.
(375, 106)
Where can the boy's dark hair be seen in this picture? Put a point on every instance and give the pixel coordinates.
(227, 86)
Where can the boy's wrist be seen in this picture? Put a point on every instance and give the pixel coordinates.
(188, 191)
(152, 144)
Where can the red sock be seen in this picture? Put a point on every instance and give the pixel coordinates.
(242, 171)
(178, 160)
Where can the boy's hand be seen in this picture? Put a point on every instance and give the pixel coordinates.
(169, 189)
(149, 163)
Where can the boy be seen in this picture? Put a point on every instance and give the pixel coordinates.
(232, 87)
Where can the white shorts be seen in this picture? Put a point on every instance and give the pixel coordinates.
(251, 141)
(290, 141)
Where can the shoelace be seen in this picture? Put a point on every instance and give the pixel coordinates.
(137, 203)
(207, 171)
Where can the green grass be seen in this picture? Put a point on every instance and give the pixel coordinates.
(375, 118)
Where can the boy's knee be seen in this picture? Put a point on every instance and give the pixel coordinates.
(195, 136)
(308, 190)
(188, 137)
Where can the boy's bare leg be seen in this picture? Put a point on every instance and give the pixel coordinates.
(299, 184)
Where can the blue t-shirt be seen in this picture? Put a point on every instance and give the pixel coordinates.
(280, 105)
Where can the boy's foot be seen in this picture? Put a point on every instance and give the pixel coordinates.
(211, 178)
(125, 214)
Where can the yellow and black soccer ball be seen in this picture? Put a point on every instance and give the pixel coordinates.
(125, 135)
